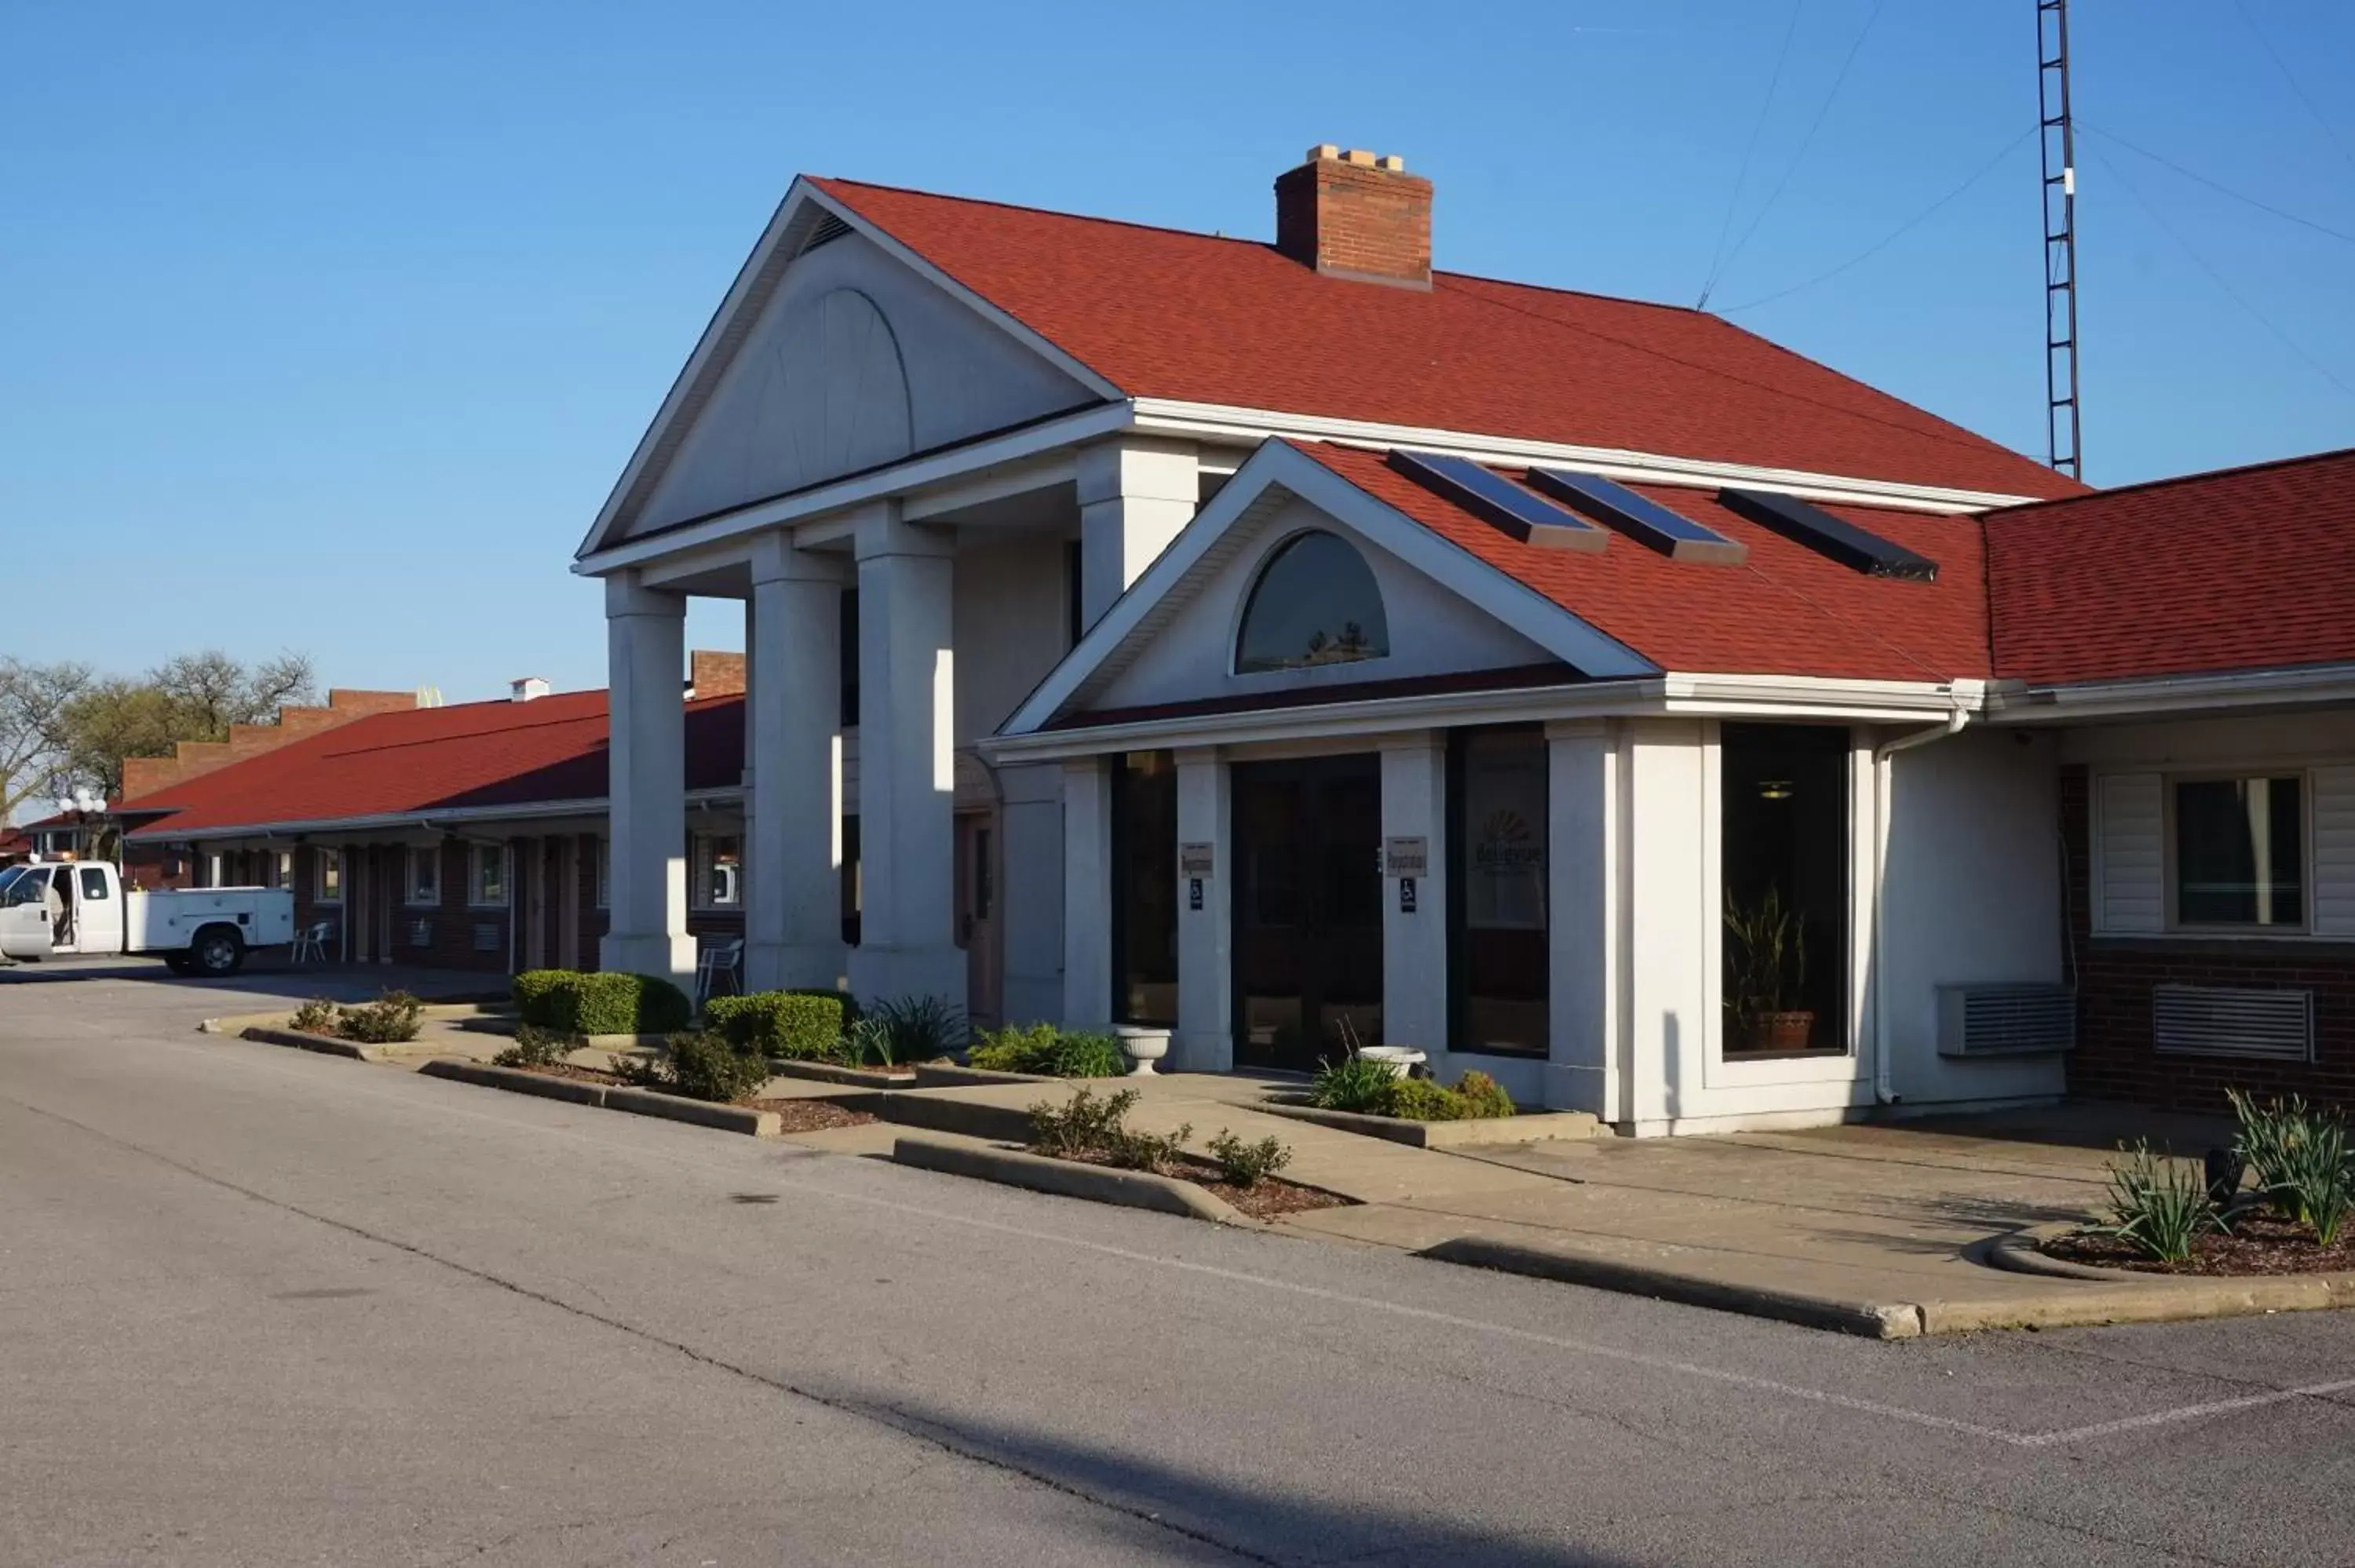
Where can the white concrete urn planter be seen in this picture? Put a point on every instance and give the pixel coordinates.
(1402, 1060)
(1143, 1047)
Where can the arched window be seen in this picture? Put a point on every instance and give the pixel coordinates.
(1315, 603)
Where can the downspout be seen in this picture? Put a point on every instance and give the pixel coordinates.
(1883, 1089)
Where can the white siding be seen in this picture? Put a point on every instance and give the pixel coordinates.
(2130, 866)
(2334, 851)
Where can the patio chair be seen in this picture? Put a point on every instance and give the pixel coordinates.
(719, 959)
(311, 942)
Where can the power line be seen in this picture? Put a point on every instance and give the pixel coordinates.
(1741, 175)
(2283, 65)
(1886, 240)
(2218, 186)
(1823, 111)
(2218, 277)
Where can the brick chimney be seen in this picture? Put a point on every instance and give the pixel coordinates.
(1353, 215)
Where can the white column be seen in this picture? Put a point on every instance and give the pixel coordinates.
(1583, 1070)
(1030, 901)
(646, 643)
(1206, 952)
(1134, 496)
(1414, 904)
(1087, 895)
(794, 757)
(907, 783)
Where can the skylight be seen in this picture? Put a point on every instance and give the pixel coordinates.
(1640, 517)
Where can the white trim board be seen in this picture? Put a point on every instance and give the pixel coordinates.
(1277, 475)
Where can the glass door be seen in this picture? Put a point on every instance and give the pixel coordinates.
(1308, 909)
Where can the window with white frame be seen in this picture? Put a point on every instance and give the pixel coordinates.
(327, 876)
(2239, 852)
(604, 873)
(718, 871)
(421, 878)
(282, 869)
(487, 876)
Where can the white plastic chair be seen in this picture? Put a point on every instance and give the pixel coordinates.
(311, 942)
(719, 959)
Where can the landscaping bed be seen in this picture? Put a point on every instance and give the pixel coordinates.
(1269, 1198)
(2280, 1201)
(809, 1114)
(2255, 1245)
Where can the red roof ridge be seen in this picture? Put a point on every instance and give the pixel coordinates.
(2165, 481)
(827, 183)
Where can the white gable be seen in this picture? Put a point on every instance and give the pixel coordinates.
(1432, 631)
(855, 360)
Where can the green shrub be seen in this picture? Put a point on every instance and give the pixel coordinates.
(391, 1017)
(535, 992)
(1425, 1099)
(2300, 1160)
(921, 1027)
(699, 1064)
(866, 1043)
(1043, 1049)
(1148, 1150)
(800, 1025)
(534, 1047)
(2157, 1204)
(1248, 1164)
(1081, 1124)
(317, 1016)
(1483, 1097)
(1354, 1083)
(612, 1003)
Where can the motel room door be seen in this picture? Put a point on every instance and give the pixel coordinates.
(1308, 909)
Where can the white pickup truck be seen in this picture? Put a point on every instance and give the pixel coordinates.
(82, 907)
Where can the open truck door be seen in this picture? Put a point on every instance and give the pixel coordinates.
(24, 912)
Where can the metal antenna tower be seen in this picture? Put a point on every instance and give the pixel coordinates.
(2058, 144)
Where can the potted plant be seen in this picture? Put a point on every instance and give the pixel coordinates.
(1766, 972)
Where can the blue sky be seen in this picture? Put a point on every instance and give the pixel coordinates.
(328, 327)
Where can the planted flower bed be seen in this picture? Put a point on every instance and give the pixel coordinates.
(392, 1019)
(1366, 1085)
(695, 1064)
(2279, 1200)
(1091, 1131)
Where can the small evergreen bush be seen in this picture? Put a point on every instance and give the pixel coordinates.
(799, 1025)
(391, 1017)
(317, 1016)
(1422, 1099)
(1049, 1052)
(535, 995)
(534, 1047)
(699, 1064)
(1082, 1125)
(1248, 1164)
(1483, 1097)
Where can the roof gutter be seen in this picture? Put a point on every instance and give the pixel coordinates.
(2019, 701)
(426, 821)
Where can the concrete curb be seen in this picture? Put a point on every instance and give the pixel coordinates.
(934, 1076)
(913, 1108)
(1874, 1320)
(326, 1044)
(2154, 1297)
(1069, 1179)
(1485, 1131)
(608, 1097)
(834, 1073)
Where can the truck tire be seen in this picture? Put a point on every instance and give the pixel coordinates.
(217, 952)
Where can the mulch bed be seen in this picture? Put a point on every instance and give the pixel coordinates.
(2257, 1246)
(567, 1070)
(810, 1114)
(1272, 1197)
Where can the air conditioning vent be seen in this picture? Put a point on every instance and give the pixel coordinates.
(2006, 1020)
(487, 937)
(420, 933)
(2209, 1020)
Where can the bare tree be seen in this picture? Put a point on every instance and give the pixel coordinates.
(195, 697)
(34, 700)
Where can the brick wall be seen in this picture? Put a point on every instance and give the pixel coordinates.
(2115, 976)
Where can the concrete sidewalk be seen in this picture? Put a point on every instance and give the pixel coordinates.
(1875, 1228)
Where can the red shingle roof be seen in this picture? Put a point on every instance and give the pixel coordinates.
(475, 754)
(2242, 568)
(1164, 314)
(1788, 611)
